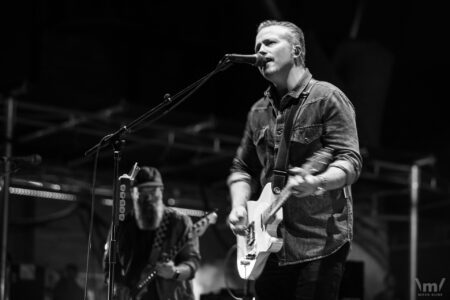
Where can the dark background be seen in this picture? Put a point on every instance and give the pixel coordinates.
(79, 70)
(88, 55)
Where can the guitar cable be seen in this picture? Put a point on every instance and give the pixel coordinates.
(227, 285)
(91, 220)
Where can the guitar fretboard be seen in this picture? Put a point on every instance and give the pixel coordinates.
(316, 164)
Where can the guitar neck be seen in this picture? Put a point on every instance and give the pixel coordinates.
(170, 256)
(277, 204)
(315, 164)
(197, 230)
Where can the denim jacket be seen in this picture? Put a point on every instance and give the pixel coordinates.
(129, 239)
(312, 226)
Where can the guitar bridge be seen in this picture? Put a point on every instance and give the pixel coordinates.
(244, 262)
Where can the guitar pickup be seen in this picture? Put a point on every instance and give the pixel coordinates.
(250, 234)
(250, 256)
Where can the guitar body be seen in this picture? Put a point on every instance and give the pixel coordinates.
(260, 240)
(265, 215)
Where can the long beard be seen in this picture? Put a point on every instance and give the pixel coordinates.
(149, 215)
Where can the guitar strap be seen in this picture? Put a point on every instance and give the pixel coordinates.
(280, 169)
(158, 241)
(155, 255)
(160, 237)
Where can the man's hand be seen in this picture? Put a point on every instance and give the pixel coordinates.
(166, 269)
(238, 220)
(304, 184)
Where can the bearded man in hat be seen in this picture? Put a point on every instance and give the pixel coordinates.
(145, 240)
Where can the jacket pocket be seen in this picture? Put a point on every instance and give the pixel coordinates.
(264, 144)
(258, 136)
(306, 135)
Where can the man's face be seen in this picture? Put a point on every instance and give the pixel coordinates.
(273, 43)
(148, 205)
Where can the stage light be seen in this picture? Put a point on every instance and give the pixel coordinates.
(42, 194)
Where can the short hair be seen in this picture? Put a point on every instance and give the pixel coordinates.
(297, 38)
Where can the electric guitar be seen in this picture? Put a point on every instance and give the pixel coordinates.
(149, 273)
(264, 216)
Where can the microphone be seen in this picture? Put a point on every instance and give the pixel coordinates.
(256, 60)
(33, 160)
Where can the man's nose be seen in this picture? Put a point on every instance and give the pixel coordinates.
(262, 50)
(147, 198)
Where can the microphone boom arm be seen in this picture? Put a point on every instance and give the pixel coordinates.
(117, 139)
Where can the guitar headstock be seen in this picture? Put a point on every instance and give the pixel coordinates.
(132, 174)
(319, 161)
(201, 225)
(125, 184)
(134, 170)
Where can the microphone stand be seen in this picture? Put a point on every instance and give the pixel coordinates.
(117, 140)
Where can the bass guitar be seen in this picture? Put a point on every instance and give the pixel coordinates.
(264, 216)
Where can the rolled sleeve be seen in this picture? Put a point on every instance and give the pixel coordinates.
(341, 135)
(351, 173)
(238, 176)
(245, 164)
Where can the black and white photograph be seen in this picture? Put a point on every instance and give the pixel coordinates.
(236, 150)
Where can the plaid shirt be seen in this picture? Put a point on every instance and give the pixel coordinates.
(131, 242)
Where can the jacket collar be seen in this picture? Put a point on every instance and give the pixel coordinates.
(271, 94)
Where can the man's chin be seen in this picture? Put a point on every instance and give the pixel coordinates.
(268, 71)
